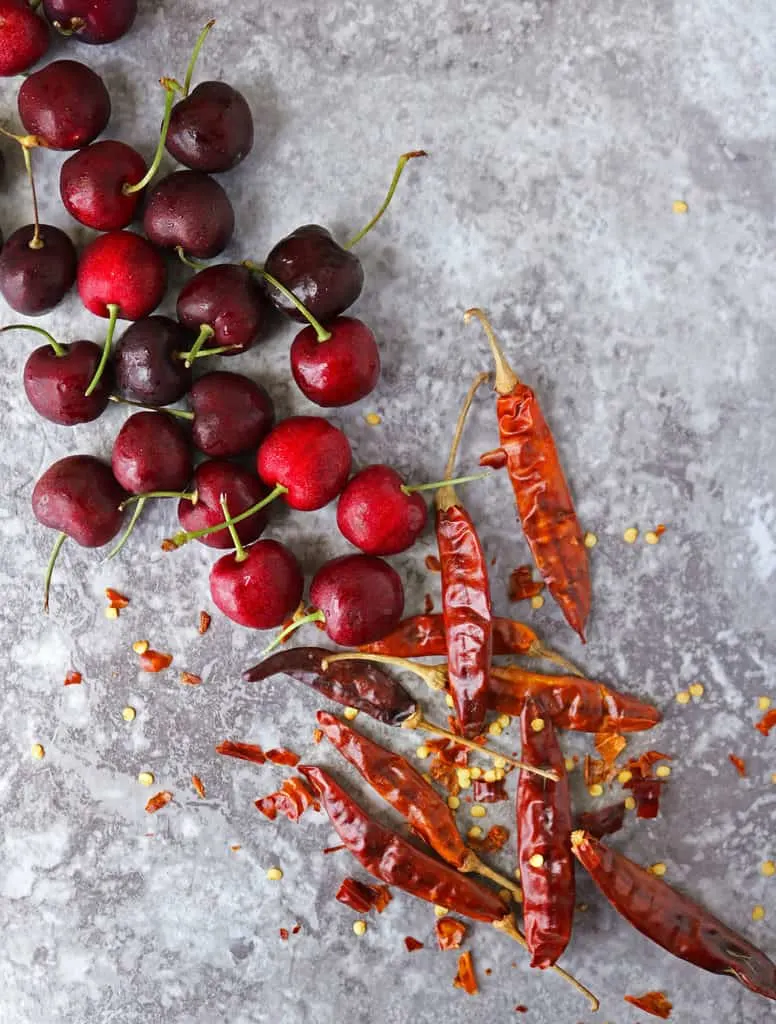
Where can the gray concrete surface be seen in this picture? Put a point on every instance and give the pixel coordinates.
(560, 134)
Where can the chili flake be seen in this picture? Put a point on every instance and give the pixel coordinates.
(362, 897)
(603, 822)
(317, 735)
(522, 585)
(292, 799)
(497, 837)
(115, 599)
(432, 563)
(334, 849)
(284, 934)
(189, 679)
(73, 678)
(655, 1003)
(767, 722)
(739, 764)
(198, 785)
(242, 751)
(450, 933)
(204, 623)
(489, 792)
(280, 755)
(412, 944)
(428, 604)
(465, 978)
(157, 802)
(155, 661)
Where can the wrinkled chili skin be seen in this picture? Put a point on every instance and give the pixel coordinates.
(544, 503)
(544, 826)
(401, 786)
(467, 615)
(354, 684)
(393, 860)
(573, 703)
(673, 921)
(423, 636)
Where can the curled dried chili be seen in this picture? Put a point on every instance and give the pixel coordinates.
(279, 755)
(362, 897)
(450, 933)
(292, 799)
(465, 977)
(652, 1002)
(242, 751)
(544, 504)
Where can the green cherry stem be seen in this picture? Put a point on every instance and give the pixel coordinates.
(411, 488)
(203, 352)
(27, 143)
(190, 261)
(194, 54)
(312, 617)
(320, 330)
(240, 554)
(191, 496)
(58, 349)
(404, 159)
(130, 526)
(206, 332)
(182, 414)
(50, 568)
(183, 538)
(113, 309)
(172, 88)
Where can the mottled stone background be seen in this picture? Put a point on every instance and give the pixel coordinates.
(560, 133)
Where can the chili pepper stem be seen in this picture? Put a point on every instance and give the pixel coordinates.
(183, 538)
(136, 513)
(240, 554)
(446, 496)
(58, 349)
(506, 378)
(189, 260)
(50, 569)
(411, 488)
(191, 496)
(316, 616)
(180, 413)
(172, 88)
(538, 650)
(403, 160)
(434, 676)
(113, 309)
(473, 865)
(206, 332)
(321, 332)
(508, 927)
(194, 54)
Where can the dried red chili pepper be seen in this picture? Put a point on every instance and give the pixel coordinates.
(292, 799)
(198, 785)
(522, 585)
(242, 751)
(544, 826)
(488, 792)
(652, 1002)
(466, 608)
(465, 978)
(603, 822)
(154, 661)
(389, 857)
(739, 764)
(672, 920)
(450, 933)
(412, 944)
(362, 897)
(279, 755)
(582, 705)
(544, 504)
(767, 722)
(158, 801)
(73, 678)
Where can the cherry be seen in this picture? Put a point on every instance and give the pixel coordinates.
(380, 514)
(243, 491)
(37, 268)
(211, 129)
(147, 364)
(226, 304)
(56, 377)
(91, 21)
(257, 587)
(307, 459)
(64, 105)
(338, 367)
(190, 211)
(24, 37)
(79, 497)
(231, 414)
(324, 275)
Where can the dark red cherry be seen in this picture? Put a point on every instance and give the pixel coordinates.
(151, 453)
(323, 275)
(190, 210)
(211, 129)
(24, 37)
(339, 369)
(55, 382)
(230, 301)
(242, 489)
(258, 587)
(232, 414)
(124, 270)
(377, 515)
(37, 272)
(309, 457)
(91, 184)
(361, 597)
(65, 105)
(146, 361)
(91, 21)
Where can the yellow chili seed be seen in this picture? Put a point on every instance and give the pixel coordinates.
(763, 703)
(495, 729)
(630, 535)
(146, 778)
(536, 861)
(359, 927)
(111, 613)
(500, 774)
(475, 772)
(37, 751)
(464, 777)
(373, 419)
(630, 803)
(350, 713)
(449, 700)
(427, 777)
(651, 537)
(590, 540)
(440, 911)
(683, 697)
(537, 724)
(596, 789)
(768, 868)
(624, 776)
(537, 601)
(140, 646)
(663, 771)
(758, 913)
(504, 721)
(453, 803)
(696, 689)
(490, 776)
(274, 874)
(773, 777)
(499, 762)
(658, 869)
(128, 713)
(475, 832)
(569, 764)
(679, 206)
(422, 752)
(506, 895)
(478, 811)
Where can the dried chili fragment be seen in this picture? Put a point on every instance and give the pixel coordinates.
(465, 978)
(432, 563)
(450, 933)
(655, 1003)
(158, 801)
(279, 755)
(334, 849)
(154, 661)
(284, 934)
(603, 822)
(296, 929)
(198, 785)
(362, 897)
(489, 792)
(317, 735)
(449, 752)
(739, 764)
(115, 599)
(412, 944)
(767, 722)
(428, 604)
(204, 623)
(496, 837)
(189, 679)
(292, 799)
(646, 793)
(242, 751)
(73, 678)
(522, 585)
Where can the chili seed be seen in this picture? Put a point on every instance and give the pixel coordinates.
(350, 713)
(475, 772)
(495, 729)
(499, 773)
(630, 535)
(146, 778)
(596, 789)
(274, 874)
(464, 777)
(422, 752)
(453, 803)
(537, 724)
(683, 697)
(624, 776)
(658, 869)
(128, 713)
(439, 910)
(569, 764)
(449, 700)
(537, 601)
(140, 646)
(590, 540)
(773, 777)
(758, 913)
(37, 751)
(359, 927)
(517, 895)
(679, 206)
(490, 776)
(696, 689)
(763, 703)
(768, 868)
(111, 613)
(478, 811)
(536, 861)
(663, 771)
(475, 832)
(651, 537)
(374, 419)
(427, 777)
(630, 803)
(499, 762)
(504, 721)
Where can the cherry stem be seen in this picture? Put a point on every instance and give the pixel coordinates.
(75, 24)
(316, 616)
(186, 495)
(50, 568)
(194, 54)
(183, 538)
(172, 88)
(59, 351)
(411, 488)
(434, 676)
(206, 332)
(506, 378)
(130, 527)
(35, 242)
(404, 159)
(240, 554)
(182, 414)
(113, 309)
(189, 261)
(320, 330)
(446, 496)
(204, 352)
